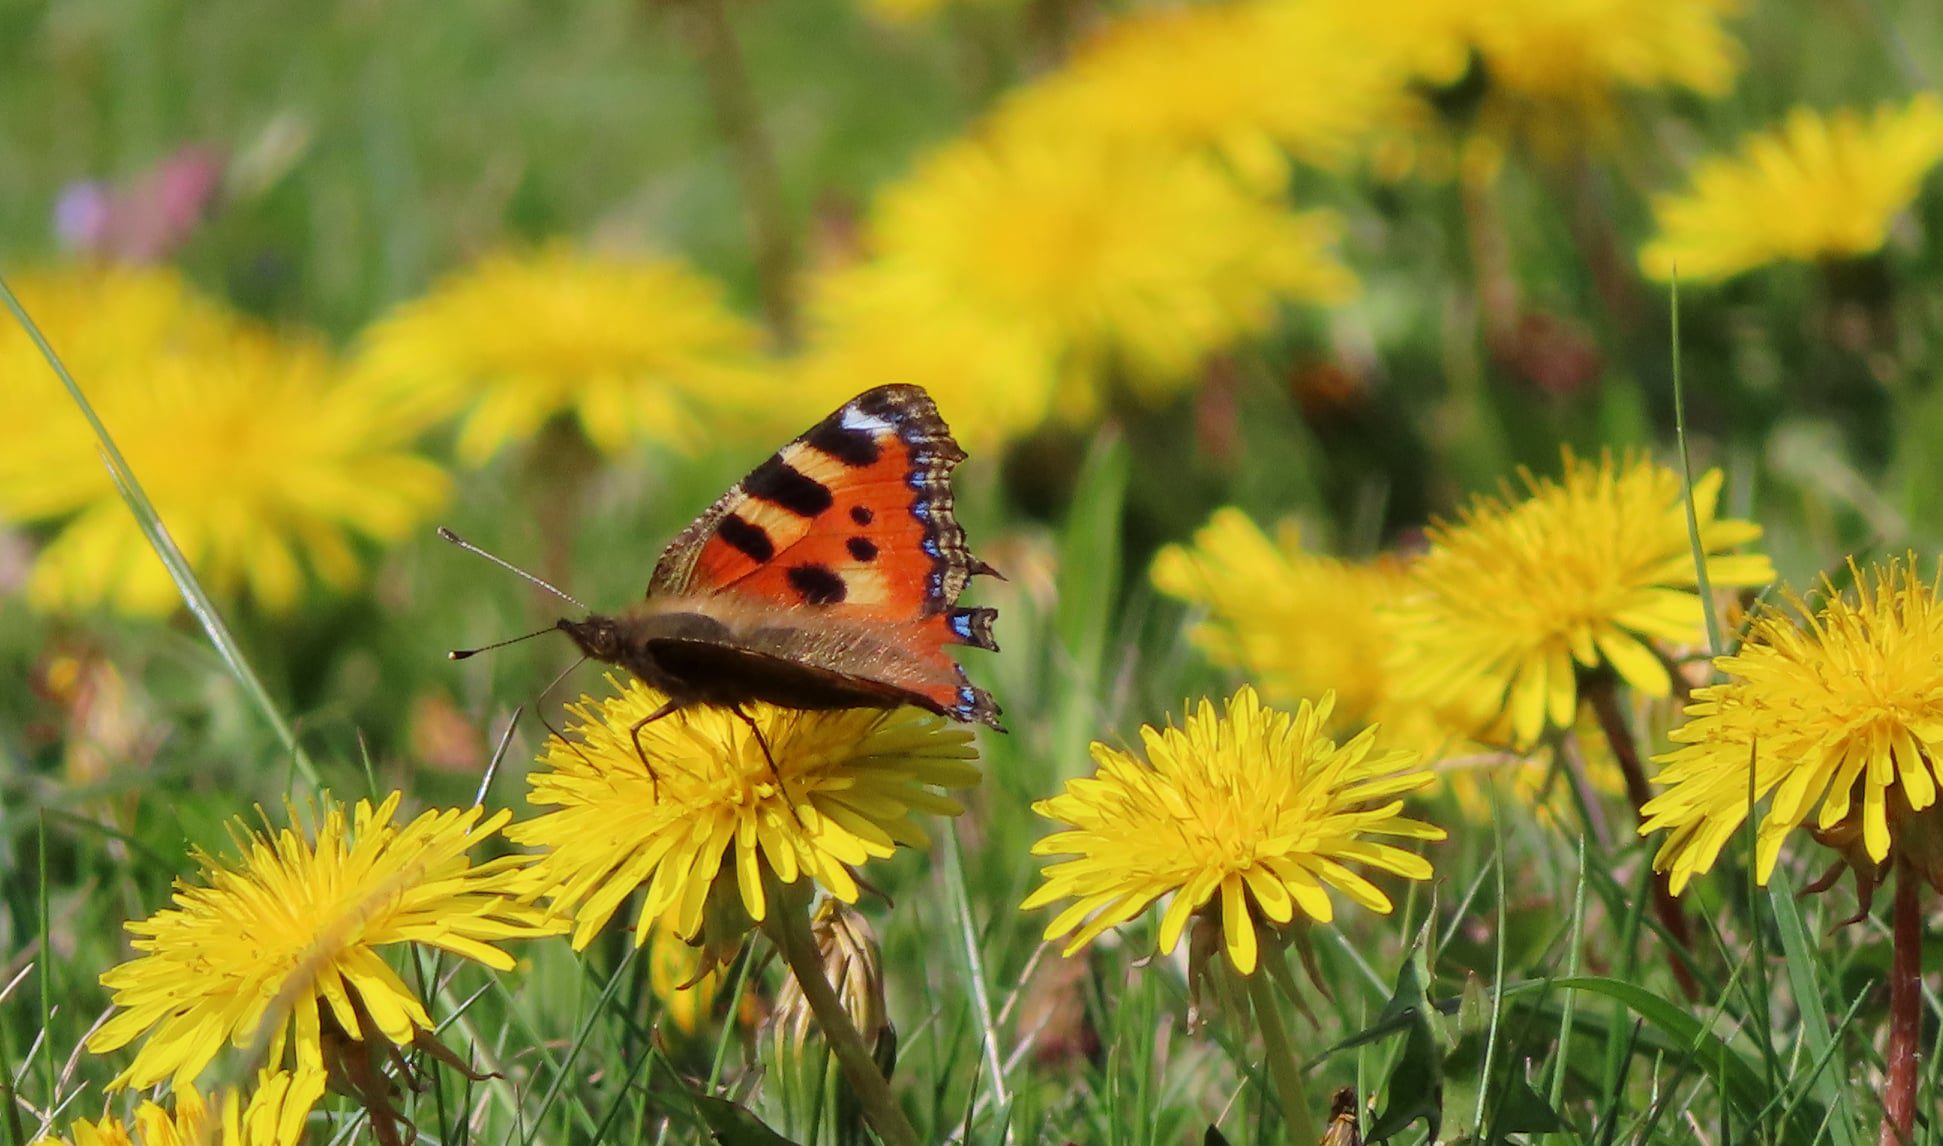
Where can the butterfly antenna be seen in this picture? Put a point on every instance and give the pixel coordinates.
(462, 654)
(469, 547)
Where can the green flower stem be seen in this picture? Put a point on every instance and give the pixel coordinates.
(1603, 693)
(788, 927)
(1282, 1067)
(1905, 1012)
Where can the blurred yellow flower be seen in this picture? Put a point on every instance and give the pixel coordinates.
(1840, 706)
(871, 324)
(1124, 259)
(1585, 573)
(258, 459)
(1256, 81)
(1298, 623)
(1558, 67)
(1583, 51)
(1818, 187)
(634, 349)
(280, 947)
(843, 791)
(104, 319)
(1247, 815)
(274, 1116)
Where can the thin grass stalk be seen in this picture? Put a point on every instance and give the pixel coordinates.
(1905, 1011)
(788, 927)
(150, 521)
(1575, 936)
(975, 966)
(1497, 969)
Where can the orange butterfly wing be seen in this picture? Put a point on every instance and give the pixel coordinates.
(853, 522)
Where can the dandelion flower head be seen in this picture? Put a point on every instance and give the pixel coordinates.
(1140, 258)
(1247, 814)
(845, 790)
(1837, 709)
(1591, 571)
(1563, 62)
(280, 946)
(634, 349)
(1256, 82)
(1818, 187)
(274, 1115)
(259, 460)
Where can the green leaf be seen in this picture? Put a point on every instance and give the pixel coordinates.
(1415, 1088)
(1518, 1109)
(733, 1125)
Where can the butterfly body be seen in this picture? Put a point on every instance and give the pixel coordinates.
(828, 578)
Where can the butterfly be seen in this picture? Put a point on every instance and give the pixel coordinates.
(828, 578)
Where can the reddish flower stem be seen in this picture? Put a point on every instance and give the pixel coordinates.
(1605, 706)
(1905, 1012)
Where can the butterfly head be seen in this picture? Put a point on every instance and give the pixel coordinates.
(599, 637)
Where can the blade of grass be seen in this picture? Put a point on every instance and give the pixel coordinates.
(186, 582)
(1798, 956)
(1686, 478)
(1556, 1096)
(974, 966)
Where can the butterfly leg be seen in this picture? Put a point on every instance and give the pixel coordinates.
(775, 773)
(634, 734)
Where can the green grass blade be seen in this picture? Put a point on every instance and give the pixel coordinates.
(1798, 951)
(165, 548)
(1686, 477)
(968, 938)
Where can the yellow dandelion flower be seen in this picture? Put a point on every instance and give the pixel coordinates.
(106, 318)
(1142, 259)
(274, 1116)
(1592, 571)
(280, 948)
(634, 349)
(1297, 622)
(871, 324)
(1818, 187)
(1248, 815)
(1256, 81)
(1580, 51)
(850, 782)
(1838, 712)
(260, 462)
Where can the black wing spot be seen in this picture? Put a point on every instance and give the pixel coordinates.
(851, 446)
(781, 484)
(862, 548)
(750, 539)
(861, 514)
(818, 584)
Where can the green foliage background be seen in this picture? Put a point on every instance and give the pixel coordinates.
(399, 140)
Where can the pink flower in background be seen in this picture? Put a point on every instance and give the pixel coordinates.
(148, 217)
